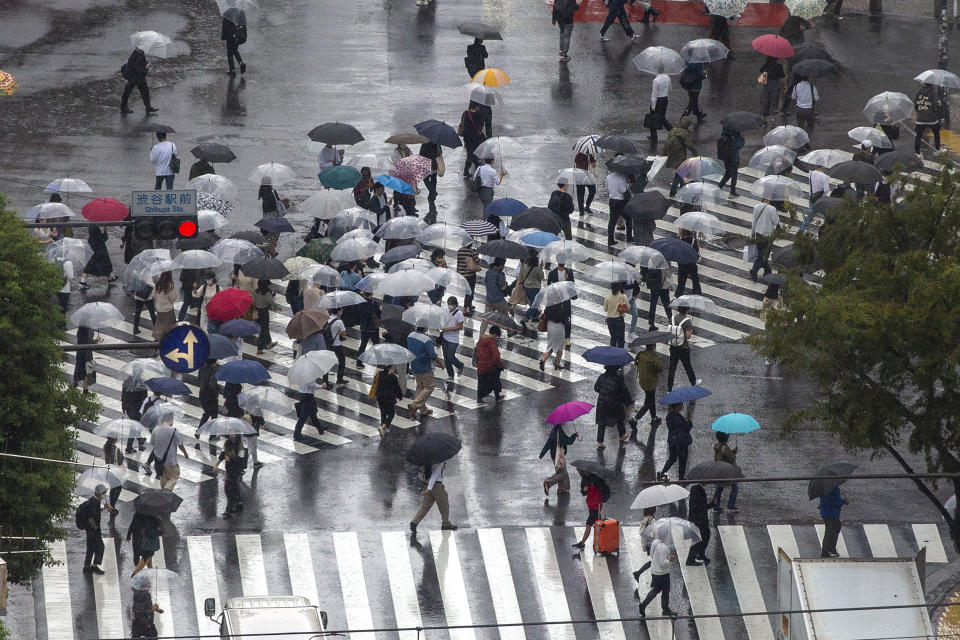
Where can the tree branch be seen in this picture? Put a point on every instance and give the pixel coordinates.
(922, 487)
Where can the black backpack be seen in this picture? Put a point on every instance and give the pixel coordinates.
(125, 72)
(327, 333)
(83, 513)
(724, 147)
(564, 9)
(604, 490)
(241, 31)
(688, 77)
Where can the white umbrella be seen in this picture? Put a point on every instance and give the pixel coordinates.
(888, 107)
(386, 353)
(572, 175)
(272, 173)
(145, 267)
(699, 222)
(197, 259)
(214, 185)
(96, 315)
(610, 271)
(564, 252)
(659, 494)
(68, 185)
(826, 157)
(48, 211)
(876, 137)
(310, 366)
(109, 477)
(350, 220)
(498, 147)
(236, 251)
(369, 283)
(669, 530)
(427, 316)
(644, 257)
(401, 228)
(150, 579)
(412, 264)
(776, 188)
(940, 78)
(701, 194)
(555, 294)
(153, 43)
(773, 159)
(704, 50)
(260, 400)
(226, 427)
(787, 135)
(354, 249)
(656, 60)
(449, 279)
(210, 220)
(138, 371)
(376, 163)
(484, 95)
(696, 304)
(340, 299)
(162, 412)
(444, 235)
(326, 204)
(405, 283)
(322, 274)
(362, 234)
(75, 250)
(121, 428)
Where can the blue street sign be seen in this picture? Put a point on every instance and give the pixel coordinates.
(184, 348)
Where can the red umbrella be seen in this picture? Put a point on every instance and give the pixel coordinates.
(229, 304)
(105, 210)
(773, 45)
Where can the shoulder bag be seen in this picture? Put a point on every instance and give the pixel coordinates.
(158, 463)
(762, 78)
(441, 167)
(623, 306)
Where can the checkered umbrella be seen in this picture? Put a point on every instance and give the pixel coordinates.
(806, 9)
(726, 8)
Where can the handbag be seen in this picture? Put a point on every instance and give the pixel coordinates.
(175, 163)
(623, 307)
(441, 167)
(89, 368)
(281, 208)
(542, 323)
(649, 121)
(750, 252)
(762, 78)
(375, 386)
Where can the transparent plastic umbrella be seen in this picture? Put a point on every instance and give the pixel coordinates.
(136, 372)
(564, 252)
(670, 531)
(940, 78)
(210, 220)
(340, 299)
(487, 96)
(449, 279)
(659, 494)
(324, 275)
(368, 284)
(555, 294)
(405, 283)
(227, 427)
(363, 233)
(644, 257)
(696, 304)
(376, 163)
(416, 264)
(401, 228)
(655, 60)
(787, 135)
(701, 194)
(260, 400)
(427, 316)
(121, 428)
(354, 249)
(49, 211)
(826, 157)
(498, 147)
(153, 578)
(214, 185)
(109, 477)
(703, 50)
(611, 271)
(68, 185)
(326, 204)
(876, 137)
(773, 159)
(386, 353)
(888, 107)
(96, 315)
(236, 251)
(145, 267)
(699, 168)
(699, 222)
(572, 175)
(272, 173)
(445, 236)
(310, 366)
(350, 219)
(153, 43)
(197, 259)
(75, 250)
(777, 188)
(162, 412)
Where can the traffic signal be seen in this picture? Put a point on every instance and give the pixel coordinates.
(165, 227)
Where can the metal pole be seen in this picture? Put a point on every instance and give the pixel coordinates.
(862, 476)
(50, 223)
(70, 462)
(112, 346)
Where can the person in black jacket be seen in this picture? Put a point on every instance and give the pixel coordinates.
(388, 394)
(235, 464)
(678, 441)
(471, 130)
(136, 76)
(729, 145)
(143, 609)
(562, 274)
(476, 58)
(612, 400)
(209, 393)
(432, 151)
(561, 203)
(230, 36)
(659, 290)
(697, 514)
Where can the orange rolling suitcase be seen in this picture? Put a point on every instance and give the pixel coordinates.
(606, 536)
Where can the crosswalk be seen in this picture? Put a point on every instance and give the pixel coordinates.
(490, 576)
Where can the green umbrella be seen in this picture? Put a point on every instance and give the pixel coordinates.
(317, 249)
(339, 177)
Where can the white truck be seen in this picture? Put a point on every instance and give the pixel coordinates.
(283, 617)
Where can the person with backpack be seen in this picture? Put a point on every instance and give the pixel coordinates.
(613, 397)
(681, 330)
(387, 394)
(729, 145)
(691, 79)
(235, 458)
(135, 73)
(471, 130)
(617, 11)
(657, 281)
(648, 367)
(563, 11)
(233, 33)
(723, 453)
(597, 492)
(678, 441)
(561, 203)
(88, 520)
(659, 98)
(678, 147)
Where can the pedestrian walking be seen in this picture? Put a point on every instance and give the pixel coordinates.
(435, 493)
(84, 370)
(689, 269)
(202, 295)
(678, 441)
(425, 357)
(691, 79)
(761, 240)
(351, 276)
(561, 203)
(793, 28)
(832, 9)
(617, 194)
(167, 439)
(113, 456)
(597, 492)
(201, 168)
(434, 153)
(188, 282)
(165, 296)
(648, 367)
(723, 453)
(233, 33)
(63, 295)
(164, 157)
(659, 99)
(379, 204)
(270, 201)
(729, 145)
(134, 531)
(560, 273)
(306, 407)
(471, 130)
(334, 333)
(99, 263)
(476, 59)
(147, 530)
(616, 10)
(495, 283)
(361, 192)
(805, 96)
(130, 402)
(468, 266)
(143, 610)
(649, 515)
(819, 187)
(563, 11)
(330, 157)
(529, 279)
(450, 339)
(586, 162)
(387, 394)
(235, 459)
(369, 313)
(556, 326)
(88, 519)
(678, 147)
(209, 393)
(927, 105)
(613, 397)
(263, 300)
(660, 559)
(556, 444)
(720, 31)
(486, 356)
(486, 178)
(615, 305)
(657, 281)
(681, 330)
(772, 81)
(697, 514)
(830, 506)
(135, 73)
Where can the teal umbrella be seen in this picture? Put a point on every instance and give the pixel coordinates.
(339, 177)
(735, 423)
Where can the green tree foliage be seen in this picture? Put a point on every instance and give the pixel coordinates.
(880, 337)
(40, 411)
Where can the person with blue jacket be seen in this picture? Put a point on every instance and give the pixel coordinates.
(830, 505)
(425, 357)
(692, 79)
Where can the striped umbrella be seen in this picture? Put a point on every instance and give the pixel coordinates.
(587, 145)
(491, 77)
(479, 228)
(806, 9)
(726, 8)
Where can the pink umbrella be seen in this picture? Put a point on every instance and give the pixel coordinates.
(412, 168)
(773, 45)
(569, 411)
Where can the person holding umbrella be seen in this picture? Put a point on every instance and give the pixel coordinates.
(586, 162)
(165, 297)
(597, 492)
(145, 529)
(681, 332)
(557, 443)
(660, 559)
(476, 58)
(697, 514)
(135, 73)
(773, 82)
(658, 282)
(471, 130)
(233, 33)
(425, 357)
(143, 609)
(88, 515)
(761, 234)
(612, 399)
(487, 360)
(723, 453)
(678, 147)
(209, 393)
(927, 105)
(678, 441)
(167, 439)
(487, 178)
(830, 506)
(235, 464)
(388, 393)
(432, 450)
(729, 145)
(561, 203)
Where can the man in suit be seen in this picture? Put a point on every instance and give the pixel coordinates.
(232, 31)
(136, 76)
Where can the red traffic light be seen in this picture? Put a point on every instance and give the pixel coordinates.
(187, 229)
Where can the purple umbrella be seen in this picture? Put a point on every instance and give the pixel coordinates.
(569, 411)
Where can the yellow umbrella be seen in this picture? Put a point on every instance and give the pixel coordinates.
(491, 77)
(8, 85)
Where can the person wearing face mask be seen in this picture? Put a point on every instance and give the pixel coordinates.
(451, 339)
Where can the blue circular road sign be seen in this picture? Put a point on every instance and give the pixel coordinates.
(184, 348)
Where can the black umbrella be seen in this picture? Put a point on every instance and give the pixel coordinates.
(619, 144)
(156, 127)
(502, 320)
(202, 241)
(213, 152)
(335, 133)
(807, 51)
(399, 254)
(407, 138)
(592, 466)
(504, 249)
(438, 133)
(479, 30)
(787, 257)
(537, 218)
(650, 337)
(628, 165)
(855, 171)
(432, 447)
(157, 502)
(825, 203)
(774, 278)
(715, 470)
(742, 121)
(647, 206)
(819, 488)
(887, 161)
(398, 329)
(265, 269)
(253, 237)
(814, 68)
(274, 224)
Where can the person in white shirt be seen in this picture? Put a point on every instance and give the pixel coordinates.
(165, 440)
(805, 96)
(451, 338)
(338, 331)
(616, 191)
(63, 296)
(660, 559)
(761, 238)
(489, 178)
(435, 493)
(161, 156)
(659, 95)
(328, 157)
(819, 187)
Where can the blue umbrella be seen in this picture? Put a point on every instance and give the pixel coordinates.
(505, 207)
(735, 423)
(439, 133)
(221, 346)
(167, 386)
(539, 239)
(608, 356)
(274, 224)
(240, 328)
(675, 250)
(241, 371)
(684, 394)
(394, 183)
